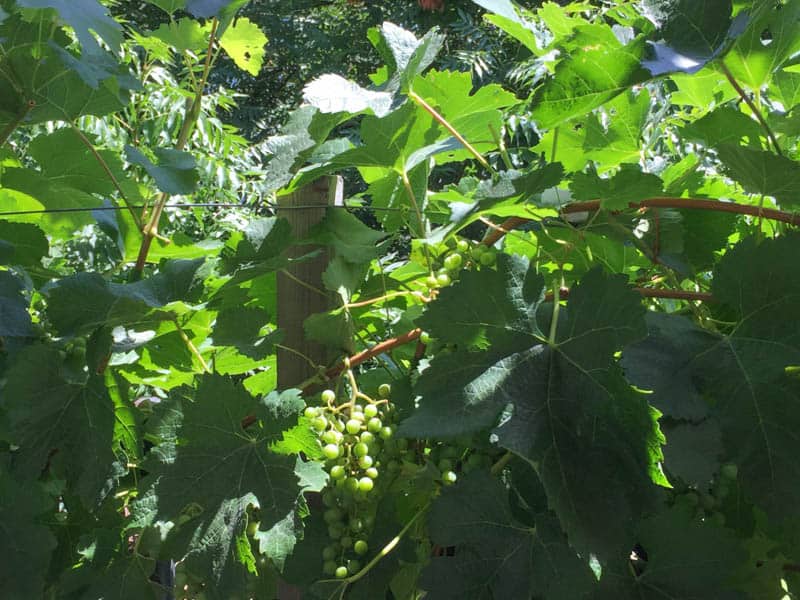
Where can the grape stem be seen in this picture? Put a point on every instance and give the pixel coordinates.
(378, 557)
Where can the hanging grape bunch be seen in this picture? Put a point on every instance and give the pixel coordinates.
(357, 442)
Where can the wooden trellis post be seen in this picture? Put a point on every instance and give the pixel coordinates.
(301, 293)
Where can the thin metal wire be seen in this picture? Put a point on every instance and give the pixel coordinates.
(275, 207)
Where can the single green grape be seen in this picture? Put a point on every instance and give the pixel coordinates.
(353, 566)
(360, 449)
(329, 567)
(384, 390)
(310, 412)
(371, 472)
(365, 462)
(353, 426)
(365, 484)
(443, 280)
(488, 258)
(729, 471)
(346, 542)
(341, 572)
(449, 477)
(329, 553)
(366, 437)
(333, 515)
(328, 396)
(370, 410)
(330, 451)
(361, 547)
(374, 425)
(462, 245)
(386, 432)
(338, 472)
(319, 423)
(453, 262)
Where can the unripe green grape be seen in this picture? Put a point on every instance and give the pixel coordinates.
(449, 477)
(332, 437)
(358, 415)
(353, 426)
(708, 501)
(371, 472)
(366, 437)
(365, 484)
(329, 553)
(451, 243)
(374, 425)
(356, 524)
(360, 449)
(310, 412)
(319, 423)
(329, 567)
(361, 547)
(370, 410)
(333, 515)
(477, 252)
(402, 444)
(341, 572)
(365, 462)
(462, 245)
(351, 484)
(425, 338)
(386, 432)
(328, 498)
(330, 451)
(445, 464)
(338, 424)
(328, 396)
(443, 280)
(346, 542)
(692, 499)
(431, 282)
(384, 390)
(487, 259)
(338, 472)
(336, 531)
(453, 262)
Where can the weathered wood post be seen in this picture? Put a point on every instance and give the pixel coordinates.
(299, 294)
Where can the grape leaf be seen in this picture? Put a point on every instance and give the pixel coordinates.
(741, 373)
(628, 185)
(587, 79)
(685, 559)
(85, 301)
(495, 555)
(22, 244)
(25, 542)
(334, 94)
(618, 140)
(184, 35)
(241, 327)
(556, 393)
(349, 237)
(208, 469)
(15, 320)
(762, 172)
(60, 421)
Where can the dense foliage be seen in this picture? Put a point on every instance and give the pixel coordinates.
(566, 354)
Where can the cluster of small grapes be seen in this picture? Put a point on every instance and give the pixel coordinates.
(455, 255)
(706, 505)
(357, 442)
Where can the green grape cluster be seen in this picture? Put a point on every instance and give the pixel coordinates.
(357, 439)
(454, 256)
(706, 504)
(452, 458)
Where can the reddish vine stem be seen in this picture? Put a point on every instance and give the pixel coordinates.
(662, 202)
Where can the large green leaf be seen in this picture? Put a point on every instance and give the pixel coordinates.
(496, 556)
(245, 43)
(37, 86)
(586, 79)
(208, 469)
(85, 301)
(60, 418)
(762, 172)
(174, 172)
(22, 244)
(557, 393)
(25, 542)
(742, 374)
